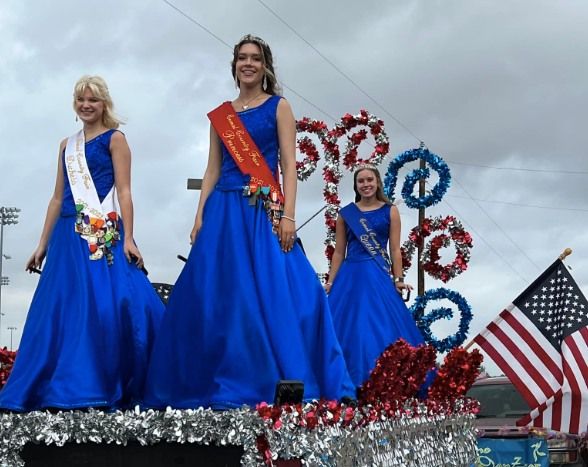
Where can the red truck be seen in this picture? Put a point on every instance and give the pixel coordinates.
(501, 406)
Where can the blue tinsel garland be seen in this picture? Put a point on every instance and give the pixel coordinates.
(424, 321)
(434, 161)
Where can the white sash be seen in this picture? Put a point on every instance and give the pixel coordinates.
(96, 222)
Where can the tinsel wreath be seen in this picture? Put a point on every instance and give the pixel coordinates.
(424, 321)
(434, 162)
(450, 230)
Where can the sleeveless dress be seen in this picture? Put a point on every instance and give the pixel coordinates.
(243, 314)
(368, 313)
(90, 326)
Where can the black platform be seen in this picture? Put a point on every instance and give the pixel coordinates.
(132, 455)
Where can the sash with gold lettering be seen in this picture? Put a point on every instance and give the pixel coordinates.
(361, 228)
(96, 222)
(250, 161)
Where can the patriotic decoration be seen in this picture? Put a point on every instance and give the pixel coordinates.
(424, 321)
(6, 362)
(451, 230)
(540, 342)
(334, 157)
(434, 161)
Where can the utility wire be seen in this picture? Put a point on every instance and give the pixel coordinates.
(496, 224)
(341, 72)
(478, 235)
(189, 18)
(521, 169)
(393, 117)
(357, 86)
(536, 206)
(208, 31)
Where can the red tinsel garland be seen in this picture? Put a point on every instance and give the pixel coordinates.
(399, 373)
(6, 362)
(457, 374)
(430, 256)
(389, 393)
(308, 164)
(397, 377)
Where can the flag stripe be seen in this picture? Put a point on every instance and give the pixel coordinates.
(502, 338)
(508, 371)
(583, 366)
(570, 372)
(576, 401)
(555, 411)
(515, 352)
(551, 361)
(536, 415)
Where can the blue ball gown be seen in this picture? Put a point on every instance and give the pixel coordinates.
(368, 312)
(90, 326)
(243, 314)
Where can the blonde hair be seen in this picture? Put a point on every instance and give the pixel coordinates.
(99, 89)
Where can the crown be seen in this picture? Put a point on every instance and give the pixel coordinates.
(366, 165)
(252, 38)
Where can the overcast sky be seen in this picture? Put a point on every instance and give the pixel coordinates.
(498, 89)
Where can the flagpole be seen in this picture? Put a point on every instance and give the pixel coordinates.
(567, 252)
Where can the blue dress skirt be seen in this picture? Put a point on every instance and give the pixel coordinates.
(243, 314)
(368, 312)
(90, 326)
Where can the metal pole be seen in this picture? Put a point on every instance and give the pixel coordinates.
(11, 328)
(420, 246)
(1, 259)
(7, 216)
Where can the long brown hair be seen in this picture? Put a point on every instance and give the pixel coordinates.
(379, 191)
(271, 81)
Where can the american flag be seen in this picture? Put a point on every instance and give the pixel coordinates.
(540, 342)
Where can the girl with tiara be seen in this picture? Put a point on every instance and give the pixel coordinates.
(247, 309)
(365, 281)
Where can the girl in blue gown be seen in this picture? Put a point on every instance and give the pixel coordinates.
(366, 303)
(91, 324)
(247, 309)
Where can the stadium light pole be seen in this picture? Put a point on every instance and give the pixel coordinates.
(8, 216)
(11, 329)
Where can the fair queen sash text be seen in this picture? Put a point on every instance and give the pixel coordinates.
(362, 229)
(96, 222)
(249, 159)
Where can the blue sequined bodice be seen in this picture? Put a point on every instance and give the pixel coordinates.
(379, 220)
(99, 162)
(261, 123)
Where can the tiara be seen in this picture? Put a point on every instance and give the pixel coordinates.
(366, 165)
(252, 38)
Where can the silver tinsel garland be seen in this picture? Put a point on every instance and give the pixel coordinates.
(417, 440)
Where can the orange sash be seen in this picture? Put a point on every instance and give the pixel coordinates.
(249, 159)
